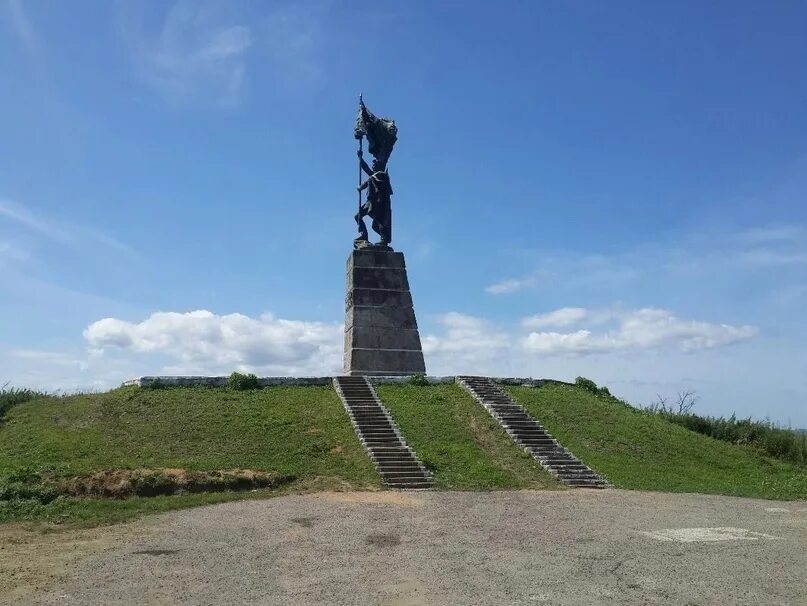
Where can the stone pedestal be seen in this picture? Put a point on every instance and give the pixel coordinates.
(381, 333)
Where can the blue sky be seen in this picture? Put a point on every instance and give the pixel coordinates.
(614, 190)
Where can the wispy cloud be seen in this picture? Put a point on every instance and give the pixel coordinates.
(66, 233)
(512, 285)
(12, 252)
(196, 57)
(775, 249)
(772, 256)
(18, 19)
(773, 233)
(295, 34)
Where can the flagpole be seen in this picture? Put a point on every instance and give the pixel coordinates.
(361, 151)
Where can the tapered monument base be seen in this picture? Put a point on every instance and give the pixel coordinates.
(381, 333)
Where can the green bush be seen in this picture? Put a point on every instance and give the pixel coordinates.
(19, 491)
(587, 384)
(418, 379)
(243, 382)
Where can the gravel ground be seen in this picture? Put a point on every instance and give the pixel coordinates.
(566, 547)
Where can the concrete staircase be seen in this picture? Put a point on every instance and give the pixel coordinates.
(395, 461)
(531, 435)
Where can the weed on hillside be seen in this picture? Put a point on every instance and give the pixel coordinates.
(639, 449)
(781, 443)
(12, 396)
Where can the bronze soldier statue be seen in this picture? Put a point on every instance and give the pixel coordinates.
(381, 136)
(379, 203)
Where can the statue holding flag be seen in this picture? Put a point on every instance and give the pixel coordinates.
(381, 137)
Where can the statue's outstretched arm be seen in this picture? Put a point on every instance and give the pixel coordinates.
(364, 185)
(365, 167)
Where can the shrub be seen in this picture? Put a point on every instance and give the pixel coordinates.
(19, 491)
(243, 382)
(418, 379)
(587, 384)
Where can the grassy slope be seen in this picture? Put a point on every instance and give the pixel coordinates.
(458, 440)
(299, 431)
(304, 432)
(637, 450)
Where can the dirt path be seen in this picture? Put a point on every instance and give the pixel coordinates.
(566, 547)
(34, 559)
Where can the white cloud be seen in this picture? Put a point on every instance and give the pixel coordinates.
(565, 316)
(463, 333)
(511, 285)
(198, 56)
(203, 342)
(470, 344)
(640, 329)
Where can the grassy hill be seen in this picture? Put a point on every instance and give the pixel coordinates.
(58, 455)
(300, 436)
(55, 449)
(459, 441)
(635, 449)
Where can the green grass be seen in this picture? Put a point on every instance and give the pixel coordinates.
(459, 441)
(639, 450)
(779, 442)
(303, 435)
(75, 512)
(301, 432)
(12, 396)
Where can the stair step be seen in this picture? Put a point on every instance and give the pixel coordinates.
(402, 462)
(407, 480)
(417, 487)
(396, 463)
(531, 435)
(403, 476)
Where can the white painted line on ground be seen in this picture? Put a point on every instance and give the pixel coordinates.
(777, 510)
(693, 535)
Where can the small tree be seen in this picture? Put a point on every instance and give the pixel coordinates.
(659, 404)
(685, 401)
(242, 382)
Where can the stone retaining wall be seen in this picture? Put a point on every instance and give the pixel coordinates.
(200, 381)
